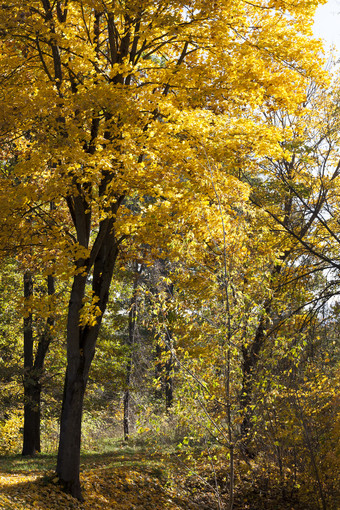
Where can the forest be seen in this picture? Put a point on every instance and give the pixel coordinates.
(169, 256)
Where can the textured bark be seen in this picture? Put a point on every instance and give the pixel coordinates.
(81, 343)
(70, 431)
(78, 363)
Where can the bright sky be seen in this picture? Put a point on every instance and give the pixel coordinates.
(327, 23)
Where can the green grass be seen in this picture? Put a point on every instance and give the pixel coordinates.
(114, 454)
(18, 464)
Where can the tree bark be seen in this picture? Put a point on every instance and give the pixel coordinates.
(126, 403)
(169, 381)
(81, 342)
(251, 355)
(31, 440)
(130, 342)
(126, 400)
(70, 428)
(164, 375)
(33, 367)
(250, 358)
(78, 363)
(29, 445)
(158, 371)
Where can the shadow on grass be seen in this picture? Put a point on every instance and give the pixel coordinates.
(119, 452)
(124, 479)
(19, 464)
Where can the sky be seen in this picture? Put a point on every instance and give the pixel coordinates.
(327, 23)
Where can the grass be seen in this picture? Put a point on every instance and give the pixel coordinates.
(137, 476)
(18, 464)
(128, 477)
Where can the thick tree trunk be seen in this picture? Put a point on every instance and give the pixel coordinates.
(31, 440)
(81, 343)
(74, 389)
(70, 429)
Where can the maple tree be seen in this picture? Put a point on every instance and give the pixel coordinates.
(110, 112)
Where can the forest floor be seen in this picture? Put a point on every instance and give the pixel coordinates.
(125, 479)
(129, 478)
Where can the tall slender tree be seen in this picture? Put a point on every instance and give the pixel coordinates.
(33, 366)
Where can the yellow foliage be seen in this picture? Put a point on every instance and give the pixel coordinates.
(10, 433)
(121, 488)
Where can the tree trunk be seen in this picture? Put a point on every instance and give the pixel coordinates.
(130, 342)
(33, 371)
(32, 387)
(158, 371)
(70, 428)
(126, 421)
(31, 440)
(78, 364)
(250, 358)
(164, 375)
(81, 343)
(126, 399)
(29, 445)
(169, 381)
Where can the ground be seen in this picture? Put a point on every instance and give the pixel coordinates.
(141, 478)
(125, 479)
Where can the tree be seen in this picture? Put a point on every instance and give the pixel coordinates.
(295, 191)
(111, 101)
(33, 366)
(131, 339)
